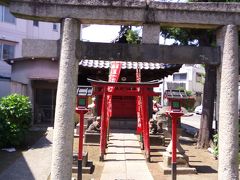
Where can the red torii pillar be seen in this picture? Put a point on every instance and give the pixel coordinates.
(104, 126)
(145, 124)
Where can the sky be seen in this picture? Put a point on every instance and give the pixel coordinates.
(107, 33)
(100, 33)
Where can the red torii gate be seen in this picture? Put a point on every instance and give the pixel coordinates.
(137, 89)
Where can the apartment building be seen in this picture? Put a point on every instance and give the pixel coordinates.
(189, 77)
(12, 31)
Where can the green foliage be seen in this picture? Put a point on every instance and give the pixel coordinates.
(15, 119)
(192, 37)
(133, 37)
(215, 148)
(156, 98)
(188, 92)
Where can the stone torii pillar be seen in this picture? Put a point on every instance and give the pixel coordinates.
(150, 35)
(61, 167)
(227, 38)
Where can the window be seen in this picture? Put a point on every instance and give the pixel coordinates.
(6, 16)
(6, 51)
(1, 13)
(180, 77)
(55, 27)
(35, 23)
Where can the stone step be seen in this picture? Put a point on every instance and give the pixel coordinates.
(130, 124)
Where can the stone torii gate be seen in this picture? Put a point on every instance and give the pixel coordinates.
(224, 17)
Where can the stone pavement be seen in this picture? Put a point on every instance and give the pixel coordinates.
(34, 164)
(124, 159)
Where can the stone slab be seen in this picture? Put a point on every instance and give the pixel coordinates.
(126, 163)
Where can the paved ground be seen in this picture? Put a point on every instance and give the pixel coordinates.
(34, 164)
(191, 124)
(124, 159)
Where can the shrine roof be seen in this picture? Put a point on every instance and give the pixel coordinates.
(151, 83)
(125, 64)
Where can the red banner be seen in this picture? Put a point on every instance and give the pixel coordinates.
(139, 103)
(114, 74)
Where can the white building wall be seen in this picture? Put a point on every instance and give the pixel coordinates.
(190, 83)
(26, 71)
(15, 33)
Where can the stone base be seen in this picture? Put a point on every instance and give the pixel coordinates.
(157, 139)
(91, 138)
(182, 164)
(182, 160)
(87, 166)
(180, 170)
(85, 170)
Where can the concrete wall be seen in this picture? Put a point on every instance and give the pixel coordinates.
(7, 86)
(190, 82)
(24, 71)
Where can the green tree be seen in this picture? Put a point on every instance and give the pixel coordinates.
(132, 37)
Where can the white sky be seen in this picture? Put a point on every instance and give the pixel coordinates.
(107, 33)
(100, 33)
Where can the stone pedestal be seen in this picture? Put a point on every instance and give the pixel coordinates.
(157, 139)
(182, 158)
(91, 138)
(182, 164)
(179, 150)
(87, 166)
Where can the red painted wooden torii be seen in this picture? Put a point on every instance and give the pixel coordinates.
(142, 89)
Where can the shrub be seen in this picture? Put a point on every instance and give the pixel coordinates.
(15, 119)
(215, 149)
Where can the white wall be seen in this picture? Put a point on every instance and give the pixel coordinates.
(7, 88)
(24, 29)
(26, 70)
(190, 82)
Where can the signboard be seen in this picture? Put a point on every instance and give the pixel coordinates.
(83, 92)
(175, 106)
(82, 102)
